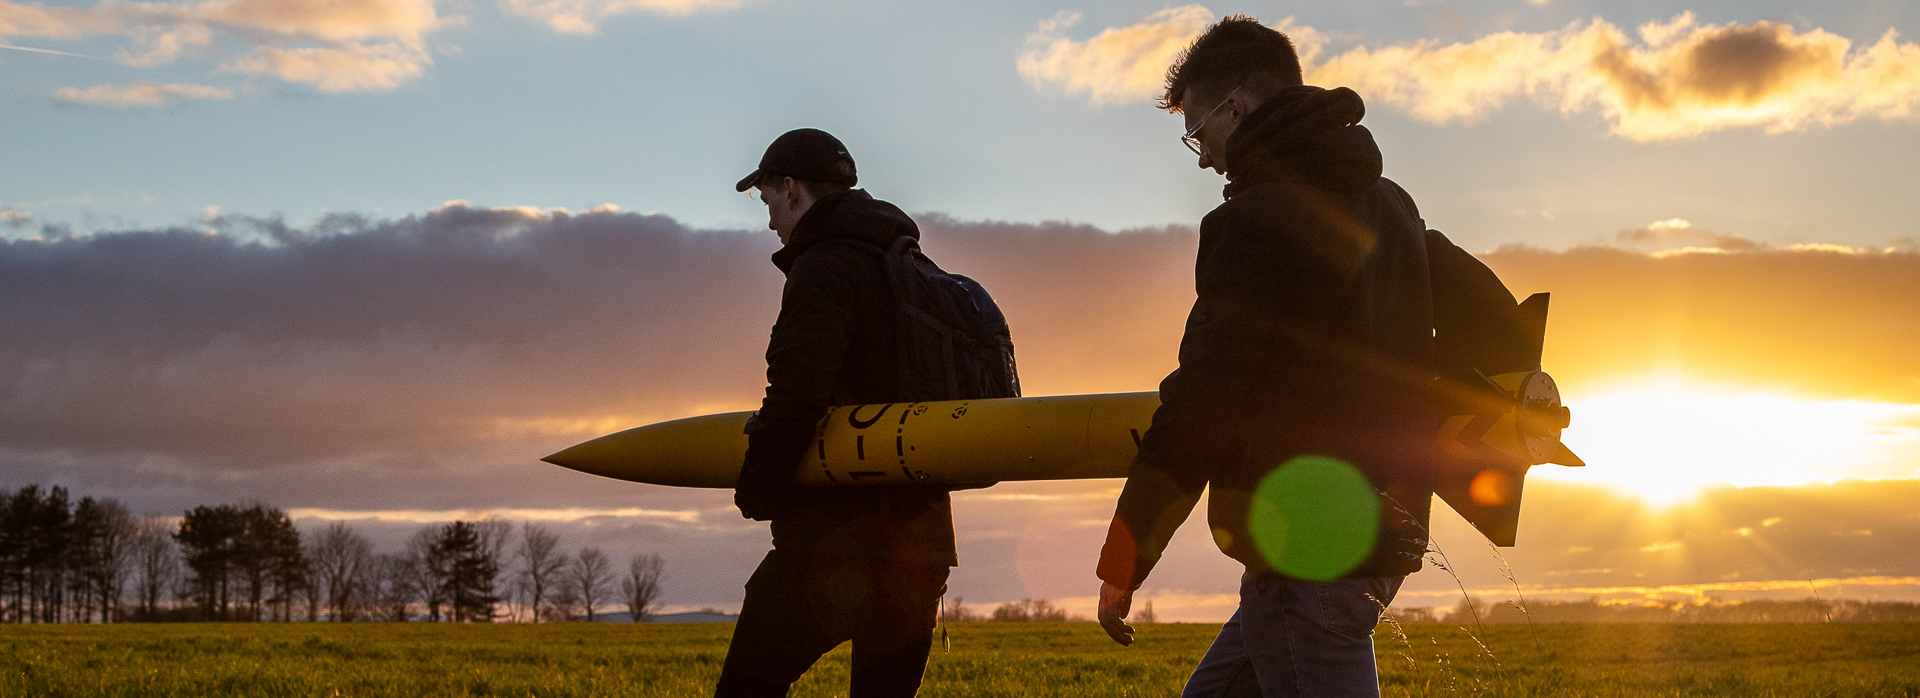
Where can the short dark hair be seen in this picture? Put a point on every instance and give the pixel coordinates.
(814, 188)
(1236, 51)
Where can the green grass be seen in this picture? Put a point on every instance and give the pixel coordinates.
(987, 659)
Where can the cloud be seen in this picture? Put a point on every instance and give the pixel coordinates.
(582, 16)
(140, 94)
(1116, 66)
(348, 68)
(15, 218)
(264, 344)
(49, 22)
(393, 372)
(1679, 236)
(330, 20)
(335, 45)
(1677, 79)
(568, 515)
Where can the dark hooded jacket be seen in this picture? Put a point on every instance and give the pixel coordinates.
(1311, 335)
(833, 344)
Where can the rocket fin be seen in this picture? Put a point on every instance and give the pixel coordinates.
(1566, 457)
(1533, 324)
(1486, 494)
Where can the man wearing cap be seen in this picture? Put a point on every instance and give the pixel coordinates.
(861, 564)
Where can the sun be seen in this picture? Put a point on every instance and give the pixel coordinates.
(1666, 440)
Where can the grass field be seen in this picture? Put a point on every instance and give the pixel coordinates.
(987, 659)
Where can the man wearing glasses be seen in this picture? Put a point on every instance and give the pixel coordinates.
(863, 564)
(1302, 397)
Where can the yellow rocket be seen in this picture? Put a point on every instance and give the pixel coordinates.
(962, 442)
(979, 442)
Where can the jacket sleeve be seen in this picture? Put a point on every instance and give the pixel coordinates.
(804, 358)
(1256, 287)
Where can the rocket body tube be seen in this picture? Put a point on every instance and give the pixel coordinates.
(959, 442)
(1485, 447)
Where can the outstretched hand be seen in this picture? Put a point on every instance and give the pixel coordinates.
(1115, 603)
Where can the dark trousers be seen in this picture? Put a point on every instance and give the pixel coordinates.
(799, 608)
(1297, 639)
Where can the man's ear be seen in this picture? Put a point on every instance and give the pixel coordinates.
(793, 193)
(1242, 104)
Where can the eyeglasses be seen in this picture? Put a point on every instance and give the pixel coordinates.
(1189, 138)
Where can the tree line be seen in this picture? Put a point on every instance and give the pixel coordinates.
(1809, 610)
(94, 561)
(954, 610)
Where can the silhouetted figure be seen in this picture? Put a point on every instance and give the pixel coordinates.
(866, 564)
(1303, 392)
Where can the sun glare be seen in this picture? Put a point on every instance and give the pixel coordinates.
(1664, 442)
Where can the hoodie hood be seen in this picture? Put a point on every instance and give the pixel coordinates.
(1305, 134)
(849, 215)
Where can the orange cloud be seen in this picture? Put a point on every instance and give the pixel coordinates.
(329, 20)
(335, 45)
(1679, 236)
(139, 94)
(1118, 65)
(48, 22)
(1677, 79)
(346, 68)
(582, 16)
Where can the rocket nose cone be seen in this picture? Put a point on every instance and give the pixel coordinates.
(692, 452)
(576, 457)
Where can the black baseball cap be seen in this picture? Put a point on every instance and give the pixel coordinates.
(803, 153)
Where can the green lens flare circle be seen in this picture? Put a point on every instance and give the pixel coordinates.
(1314, 517)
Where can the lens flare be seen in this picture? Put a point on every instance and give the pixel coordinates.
(1314, 517)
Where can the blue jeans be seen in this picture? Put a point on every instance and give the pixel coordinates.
(1296, 638)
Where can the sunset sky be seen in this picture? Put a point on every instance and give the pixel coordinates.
(370, 259)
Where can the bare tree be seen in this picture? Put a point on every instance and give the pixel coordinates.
(954, 610)
(340, 555)
(156, 563)
(640, 589)
(589, 577)
(389, 581)
(100, 556)
(404, 580)
(425, 570)
(118, 548)
(540, 563)
(565, 603)
(312, 596)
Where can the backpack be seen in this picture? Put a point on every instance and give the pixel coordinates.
(953, 340)
(1478, 328)
(1501, 414)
